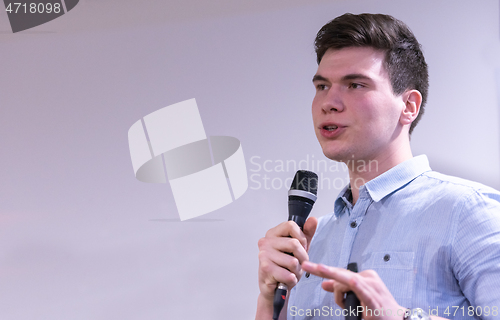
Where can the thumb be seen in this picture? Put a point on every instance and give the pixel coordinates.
(310, 229)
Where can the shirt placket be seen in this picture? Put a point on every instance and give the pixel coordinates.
(356, 214)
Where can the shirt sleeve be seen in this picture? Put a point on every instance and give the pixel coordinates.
(475, 255)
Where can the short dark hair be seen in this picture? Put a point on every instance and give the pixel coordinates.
(404, 60)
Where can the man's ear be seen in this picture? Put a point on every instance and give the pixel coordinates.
(412, 100)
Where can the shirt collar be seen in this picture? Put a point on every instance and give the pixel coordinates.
(344, 199)
(386, 183)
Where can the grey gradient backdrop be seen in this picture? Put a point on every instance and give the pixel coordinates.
(81, 238)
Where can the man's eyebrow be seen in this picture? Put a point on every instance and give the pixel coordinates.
(355, 76)
(347, 77)
(317, 77)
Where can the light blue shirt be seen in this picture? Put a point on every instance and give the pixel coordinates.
(433, 239)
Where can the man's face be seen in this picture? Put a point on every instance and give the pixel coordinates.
(355, 113)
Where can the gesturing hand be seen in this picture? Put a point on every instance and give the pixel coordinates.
(367, 286)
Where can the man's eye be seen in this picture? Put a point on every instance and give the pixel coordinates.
(355, 86)
(321, 87)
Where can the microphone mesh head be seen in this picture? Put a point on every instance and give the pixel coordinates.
(306, 181)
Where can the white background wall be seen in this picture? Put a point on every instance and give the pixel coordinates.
(81, 238)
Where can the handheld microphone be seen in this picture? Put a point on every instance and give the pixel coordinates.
(351, 302)
(301, 197)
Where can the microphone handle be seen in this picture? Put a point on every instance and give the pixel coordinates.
(352, 302)
(279, 299)
(282, 289)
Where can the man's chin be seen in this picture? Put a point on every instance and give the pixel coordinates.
(335, 156)
(334, 150)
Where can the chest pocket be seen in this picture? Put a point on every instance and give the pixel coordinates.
(397, 272)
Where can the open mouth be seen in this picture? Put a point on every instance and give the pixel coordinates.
(330, 128)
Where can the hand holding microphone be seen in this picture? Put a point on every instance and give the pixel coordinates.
(277, 269)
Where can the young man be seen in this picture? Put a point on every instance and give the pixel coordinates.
(421, 239)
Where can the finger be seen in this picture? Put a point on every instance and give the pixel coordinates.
(291, 263)
(275, 264)
(340, 275)
(328, 285)
(288, 229)
(339, 294)
(338, 290)
(271, 275)
(338, 297)
(285, 246)
(368, 286)
(309, 230)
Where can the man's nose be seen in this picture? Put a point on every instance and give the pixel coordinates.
(333, 102)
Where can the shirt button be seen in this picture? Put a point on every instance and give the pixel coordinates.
(354, 224)
(307, 274)
(387, 257)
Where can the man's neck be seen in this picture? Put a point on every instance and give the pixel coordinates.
(363, 170)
